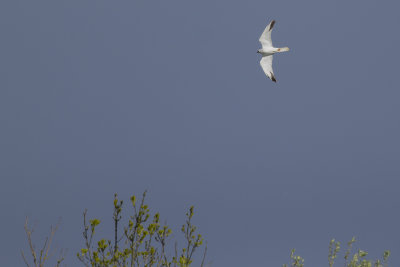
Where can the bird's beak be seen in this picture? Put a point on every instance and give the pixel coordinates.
(258, 52)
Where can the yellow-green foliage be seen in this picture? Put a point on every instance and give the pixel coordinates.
(143, 242)
(357, 260)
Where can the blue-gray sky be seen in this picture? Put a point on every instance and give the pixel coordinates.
(98, 97)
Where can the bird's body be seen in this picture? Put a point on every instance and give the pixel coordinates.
(268, 50)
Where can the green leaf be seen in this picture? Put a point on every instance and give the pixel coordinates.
(94, 222)
(133, 200)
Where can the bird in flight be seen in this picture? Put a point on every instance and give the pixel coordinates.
(267, 51)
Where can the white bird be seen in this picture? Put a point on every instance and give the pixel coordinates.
(267, 51)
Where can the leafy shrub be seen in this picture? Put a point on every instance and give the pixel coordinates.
(357, 260)
(143, 242)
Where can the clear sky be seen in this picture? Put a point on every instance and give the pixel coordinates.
(98, 97)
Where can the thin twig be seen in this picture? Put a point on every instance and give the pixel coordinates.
(204, 256)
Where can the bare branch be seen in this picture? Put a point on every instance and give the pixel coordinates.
(44, 251)
(23, 257)
(204, 256)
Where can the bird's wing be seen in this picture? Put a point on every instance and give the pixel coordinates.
(266, 65)
(265, 38)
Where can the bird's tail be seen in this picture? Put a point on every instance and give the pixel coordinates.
(283, 49)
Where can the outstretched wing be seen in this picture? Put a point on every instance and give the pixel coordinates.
(266, 65)
(265, 38)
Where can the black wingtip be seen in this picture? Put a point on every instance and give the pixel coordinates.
(273, 77)
(272, 24)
